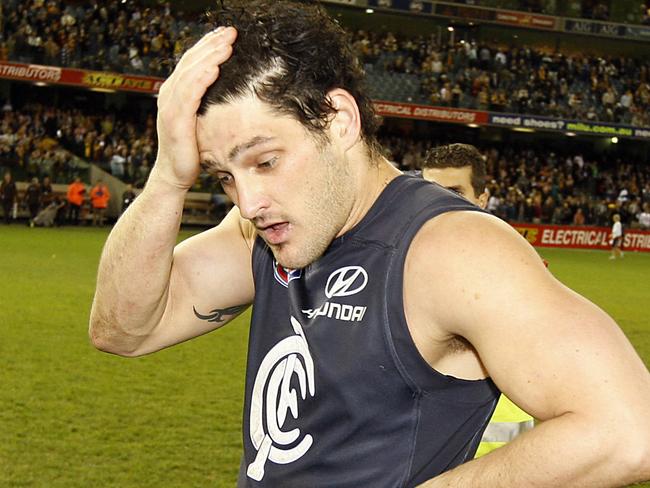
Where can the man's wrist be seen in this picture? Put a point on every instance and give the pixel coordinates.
(159, 179)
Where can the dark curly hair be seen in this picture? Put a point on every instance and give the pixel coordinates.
(290, 56)
(459, 156)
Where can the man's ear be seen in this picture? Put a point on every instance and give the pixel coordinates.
(483, 198)
(345, 124)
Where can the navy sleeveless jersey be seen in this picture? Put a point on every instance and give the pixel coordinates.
(337, 395)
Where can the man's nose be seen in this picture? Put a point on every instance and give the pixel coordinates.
(251, 199)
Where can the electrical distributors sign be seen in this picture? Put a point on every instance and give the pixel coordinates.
(427, 112)
(581, 237)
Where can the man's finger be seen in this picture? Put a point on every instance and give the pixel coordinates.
(211, 40)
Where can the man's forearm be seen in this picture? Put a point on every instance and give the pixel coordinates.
(134, 270)
(566, 451)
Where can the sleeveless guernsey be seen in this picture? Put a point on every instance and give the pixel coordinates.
(337, 395)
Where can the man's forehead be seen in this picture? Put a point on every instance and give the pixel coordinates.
(235, 127)
(234, 110)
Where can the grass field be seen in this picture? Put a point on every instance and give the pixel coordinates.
(73, 417)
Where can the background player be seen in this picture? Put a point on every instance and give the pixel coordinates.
(461, 169)
(616, 239)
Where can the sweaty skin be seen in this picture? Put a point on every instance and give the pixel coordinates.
(550, 350)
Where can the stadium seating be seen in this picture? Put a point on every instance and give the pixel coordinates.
(61, 141)
(101, 38)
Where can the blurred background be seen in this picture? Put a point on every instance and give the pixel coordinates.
(556, 96)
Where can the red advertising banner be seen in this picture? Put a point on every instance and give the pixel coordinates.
(30, 72)
(78, 77)
(523, 19)
(581, 237)
(427, 112)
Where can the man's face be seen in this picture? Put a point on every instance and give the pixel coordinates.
(458, 180)
(294, 189)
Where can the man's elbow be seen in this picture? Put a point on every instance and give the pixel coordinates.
(638, 457)
(631, 454)
(104, 340)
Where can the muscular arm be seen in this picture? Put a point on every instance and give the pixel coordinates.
(554, 353)
(151, 295)
(147, 290)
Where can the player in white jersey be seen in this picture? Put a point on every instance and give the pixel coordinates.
(616, 238)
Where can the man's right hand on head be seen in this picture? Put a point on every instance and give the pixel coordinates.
(179, 98)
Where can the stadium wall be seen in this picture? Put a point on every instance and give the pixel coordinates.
(574, 237)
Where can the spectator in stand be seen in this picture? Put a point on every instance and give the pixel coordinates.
(99, 198)
(47, 192)
(142, 173)
(8, 196)
(33, 197)
(127, 197)
(579, 217)
(493, 202)
(76, 197)
(644, 217)
(645, 13)
(117, 163)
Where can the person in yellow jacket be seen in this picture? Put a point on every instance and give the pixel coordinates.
(461, 169)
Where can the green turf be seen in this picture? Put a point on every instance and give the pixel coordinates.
(74, 417)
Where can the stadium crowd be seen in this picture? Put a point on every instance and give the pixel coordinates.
(542, 186)
(45, 140)
(645, 12)
(516, 79)
(590, 9)
(110, 35)
(525, 184)
(126, 37)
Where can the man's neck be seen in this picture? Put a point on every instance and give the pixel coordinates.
(371, 181)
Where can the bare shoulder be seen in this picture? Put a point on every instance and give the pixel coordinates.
(476, 277)
(453, 266)
(466, 234)
(458, 253)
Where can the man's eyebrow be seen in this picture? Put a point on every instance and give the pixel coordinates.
(208, 165)
(245, 146)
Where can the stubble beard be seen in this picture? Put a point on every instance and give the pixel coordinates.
(327, 208)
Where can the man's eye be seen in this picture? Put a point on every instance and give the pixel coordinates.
(225, 179)
(269, 163)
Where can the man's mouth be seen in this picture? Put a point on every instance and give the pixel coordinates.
(275, 233)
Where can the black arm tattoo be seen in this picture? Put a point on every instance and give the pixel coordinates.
(217, 315)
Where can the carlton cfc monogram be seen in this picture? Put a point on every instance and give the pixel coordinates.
(288, 357)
